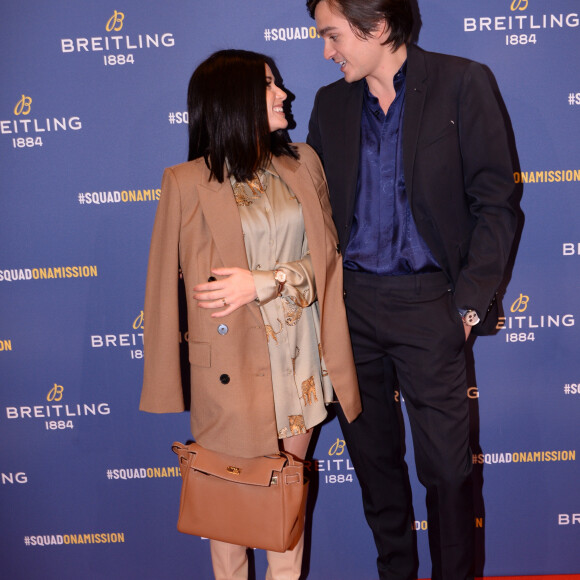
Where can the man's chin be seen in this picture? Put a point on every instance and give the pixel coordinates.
(351, 77)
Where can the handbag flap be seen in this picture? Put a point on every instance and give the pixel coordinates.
(250, 471)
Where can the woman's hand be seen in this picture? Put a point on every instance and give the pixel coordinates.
(233, 291)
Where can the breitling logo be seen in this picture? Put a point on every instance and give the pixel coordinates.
(23, 106)
(519, 5)
(517, 21)
(115, 23)
(28, 127)
(117, 42)
(523, 325)
(132, 341)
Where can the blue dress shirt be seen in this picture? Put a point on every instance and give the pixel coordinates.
(384, 239)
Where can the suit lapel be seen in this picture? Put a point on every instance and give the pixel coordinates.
(351, 146)
(415, 94)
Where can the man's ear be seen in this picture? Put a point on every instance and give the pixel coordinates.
(382, 30)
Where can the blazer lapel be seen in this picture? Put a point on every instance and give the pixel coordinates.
(415, 94)
(298, 179)
(223, 219)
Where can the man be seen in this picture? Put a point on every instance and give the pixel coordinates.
(416, 154)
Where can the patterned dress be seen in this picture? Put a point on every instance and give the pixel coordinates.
(275, 239)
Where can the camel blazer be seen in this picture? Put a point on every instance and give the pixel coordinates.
(197, 226)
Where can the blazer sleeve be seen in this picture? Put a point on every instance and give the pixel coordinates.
(489, 187)
(334, 338)
(162, 389)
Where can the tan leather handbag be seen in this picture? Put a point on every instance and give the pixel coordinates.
(258, 502)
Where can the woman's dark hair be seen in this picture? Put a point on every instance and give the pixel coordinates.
(226, 102)
(364, 16)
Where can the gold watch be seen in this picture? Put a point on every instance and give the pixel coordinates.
(280, 278)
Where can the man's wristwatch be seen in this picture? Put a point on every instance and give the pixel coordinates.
(280, 278)
(469, 317)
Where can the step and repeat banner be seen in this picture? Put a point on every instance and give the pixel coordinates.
(92, 108)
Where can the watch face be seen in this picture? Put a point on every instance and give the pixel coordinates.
(471, 318)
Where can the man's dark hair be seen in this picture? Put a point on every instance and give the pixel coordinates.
(226, 102)
(364, 16)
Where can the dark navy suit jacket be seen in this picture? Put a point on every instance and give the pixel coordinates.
(457, 163)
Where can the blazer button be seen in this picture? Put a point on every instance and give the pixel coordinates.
(224, 379)
(222, 329)
(212, 279)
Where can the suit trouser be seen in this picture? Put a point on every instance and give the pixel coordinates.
(407, 334)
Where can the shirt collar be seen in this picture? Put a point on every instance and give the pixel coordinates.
(268, 169)
(399, 83)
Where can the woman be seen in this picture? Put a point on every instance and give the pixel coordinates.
(248, 220)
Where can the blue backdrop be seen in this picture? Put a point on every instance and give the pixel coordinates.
(92, 108)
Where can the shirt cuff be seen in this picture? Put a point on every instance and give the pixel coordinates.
(266, 286)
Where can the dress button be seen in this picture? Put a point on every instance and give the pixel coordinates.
(224, 379)
(222, 329)
(212, 279)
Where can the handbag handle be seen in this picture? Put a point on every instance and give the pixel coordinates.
(252, 471)
(181, 449)
(290, 459)
(184, 450)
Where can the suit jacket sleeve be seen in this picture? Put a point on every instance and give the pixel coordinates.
(162, 390)
(489, 187)
(313, 139)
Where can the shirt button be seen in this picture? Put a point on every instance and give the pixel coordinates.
(222, 329)
(224, 379)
